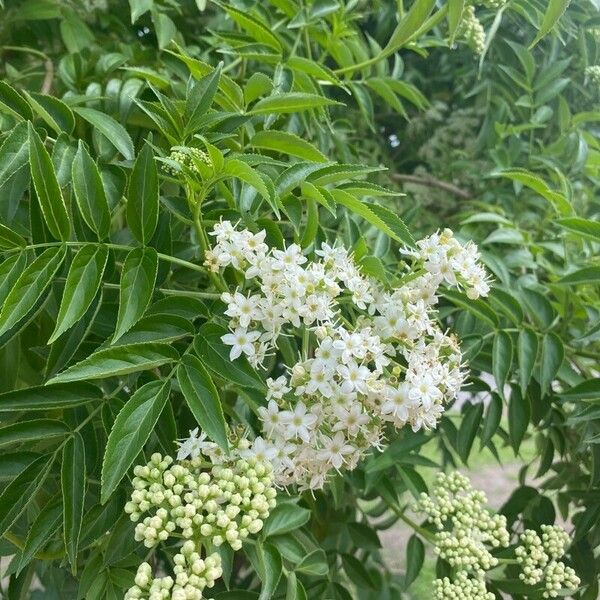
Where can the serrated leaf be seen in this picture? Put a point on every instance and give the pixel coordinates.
(584, 227)
(290, 103)
(83, 281)
(285, 518)
(200, 98)
(89, 192)
(527, 350)
(491, 421)
(113, 131)
(215, 356)
(256, 28)
(519, 414)
(202, 399)
(382, 218)
(41, 530)
(287, 143)
(30, 286)
(142, 196)
(52, 111)
(73, 482)
(554, 12)
(415, 555)
(469, 426)
(502, 352)
(16, 496)
(244, 172)
(49, 397)
(270, 566)
(118, 360)
(13, 103)
(34, 430)
(409, 25)
(551, 358)
(47, 189)
(10, 239)
(136, 288)
(131, 430)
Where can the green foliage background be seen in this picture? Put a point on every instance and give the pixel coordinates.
(310, 113)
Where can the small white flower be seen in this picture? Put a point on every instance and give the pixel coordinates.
(335, 449)
(240, 341)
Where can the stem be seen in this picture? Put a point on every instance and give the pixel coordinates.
(165, 257)
(428, 535)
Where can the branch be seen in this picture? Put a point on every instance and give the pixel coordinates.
(432, 182)
(48, 77)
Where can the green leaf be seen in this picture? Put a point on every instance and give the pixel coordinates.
(83, 282)
(581, 276)
(30, 286)
(415, 555)
(551, 358)
(476, 307)
(200, 98)
(120, 360)
(47, 189)
(73, 481)
(16, 496)
(553, 13)
(49, 397)
(409, 24)
(10, 239)
(583, 227)
(139, 7)
(357, 572)
(285, 518)
(287, 143)
(527, 350)
(14, 152)
(28, 431)
(131, 430)
(380, 217)
(13, 103)
(114, 132)
(469, 426)
(519, 414)
(142, 196)
(455, 12)
(215, 355)
(257, 29)
(291, 102)
(137, 285)
(244, 172)
(41, 530)
(492, 419)
(89, 192)
(203, 399)
(314, 563)
(502, 352)
(53, 112)
(270, 570)
(157, 328)
(558, 200)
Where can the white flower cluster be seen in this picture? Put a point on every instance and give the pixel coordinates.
(538, 557)
(466, 529)
(223, 504)
(462, 588)
(186, 157)
(192, 575)
(385, 359)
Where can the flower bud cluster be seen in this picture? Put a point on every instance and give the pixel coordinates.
(192, 575)
(592, 73)
(467, 531)
(538, 557)
(462, 588)
(471, 30)
(224, 504)
(186, 157)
